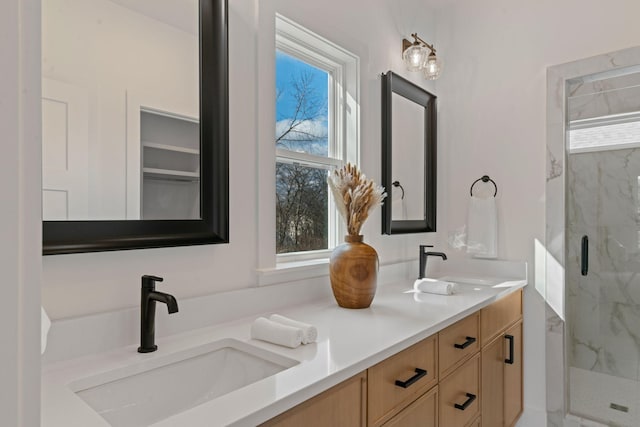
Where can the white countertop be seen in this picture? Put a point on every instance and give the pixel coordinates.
(349, 341)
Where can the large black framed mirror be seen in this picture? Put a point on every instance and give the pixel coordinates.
(408, 156)
(166, 181)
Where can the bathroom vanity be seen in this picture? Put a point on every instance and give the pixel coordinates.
(462, 376)
(409, 356)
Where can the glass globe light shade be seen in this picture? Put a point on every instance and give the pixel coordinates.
(414, 57)
(432, 67)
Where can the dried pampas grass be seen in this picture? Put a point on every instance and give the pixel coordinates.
(355, 196)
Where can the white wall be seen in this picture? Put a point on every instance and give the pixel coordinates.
(492, 117)
(20, 228)
(88, 283)
(373, 31)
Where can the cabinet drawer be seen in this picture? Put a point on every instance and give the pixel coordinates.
(460, 395)
(502, 313)
(386, 398)
(423, 412)
(342, 405)
(457, 343)
(476, 423)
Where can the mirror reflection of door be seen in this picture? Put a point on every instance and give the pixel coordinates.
(136, 64)
(408, 169)
(64, 151)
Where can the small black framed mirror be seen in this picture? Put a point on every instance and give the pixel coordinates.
(409, 142)
(193, 37)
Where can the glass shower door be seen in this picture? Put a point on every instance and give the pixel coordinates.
(603, 250)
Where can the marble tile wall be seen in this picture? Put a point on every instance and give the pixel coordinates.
(606, 95)
(603, 308)
(587, 85)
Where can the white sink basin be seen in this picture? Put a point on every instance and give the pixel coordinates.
(152, 390)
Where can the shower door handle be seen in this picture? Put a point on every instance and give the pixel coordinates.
(585, 256)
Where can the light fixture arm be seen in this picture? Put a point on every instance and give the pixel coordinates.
(430, 46)
(417, 40)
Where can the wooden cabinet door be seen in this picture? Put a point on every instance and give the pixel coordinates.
(502, 379)
(513, 376)
(421, 413)
(342, 405)
(493, 356)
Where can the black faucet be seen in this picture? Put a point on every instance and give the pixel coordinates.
(423, 259)
(148, 312)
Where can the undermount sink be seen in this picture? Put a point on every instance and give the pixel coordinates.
(150, 391)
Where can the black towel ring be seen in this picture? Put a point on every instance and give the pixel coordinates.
(484, 178)
(397, 184)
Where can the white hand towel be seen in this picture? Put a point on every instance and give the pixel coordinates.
(309, 332)
(482, 227)
(45, 324)
(276, 333)
(433, 286)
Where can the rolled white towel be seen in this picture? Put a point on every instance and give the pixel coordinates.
(309, 332)
(276, 333)
(434, 286)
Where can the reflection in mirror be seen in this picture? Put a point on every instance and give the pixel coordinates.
(407, 160)
(135, 142)
(120, 108)
(408, 156)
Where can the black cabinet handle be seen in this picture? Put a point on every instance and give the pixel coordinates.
(584, 258)
(467, 343)
(511, 339)
(419, 374)
(469, 401)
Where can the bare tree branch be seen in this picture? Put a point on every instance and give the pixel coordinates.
(309, 107)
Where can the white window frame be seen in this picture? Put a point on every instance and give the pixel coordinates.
(344, 122)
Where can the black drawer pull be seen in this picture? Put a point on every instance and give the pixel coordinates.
(419, 374)
(467, 343)
(511, 339)
(469, 401)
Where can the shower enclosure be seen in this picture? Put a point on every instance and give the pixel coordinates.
(603, 247)
(593, 242)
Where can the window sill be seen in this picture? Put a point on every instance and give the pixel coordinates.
(293, 271)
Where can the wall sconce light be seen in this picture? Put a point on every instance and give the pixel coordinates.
(421, 56)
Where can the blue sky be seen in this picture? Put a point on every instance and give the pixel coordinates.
(288, 68)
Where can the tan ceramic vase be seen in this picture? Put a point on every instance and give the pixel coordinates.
(353, 270)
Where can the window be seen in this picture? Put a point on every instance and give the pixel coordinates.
(316, 131)
(304, 154)
(612, 132)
